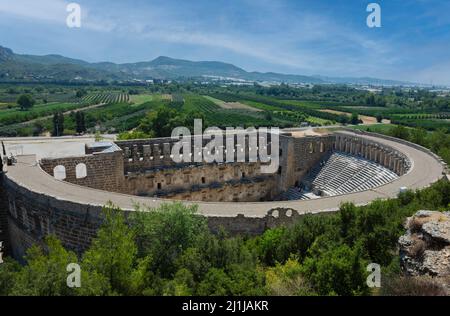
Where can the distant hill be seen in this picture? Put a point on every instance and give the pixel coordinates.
(16, 67)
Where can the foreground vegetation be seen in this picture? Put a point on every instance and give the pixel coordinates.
(170, 251)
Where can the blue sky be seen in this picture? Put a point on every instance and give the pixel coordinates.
(290, 36)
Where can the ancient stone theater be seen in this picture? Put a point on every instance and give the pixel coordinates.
(317, 171)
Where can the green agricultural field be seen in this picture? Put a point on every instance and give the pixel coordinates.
(318, 121)
(364, 107)
(440, 115)
(141, 98)
(261, 106)
(216, 101)
(16, 115)
(301, 103)
(429, 124)
(4, 106)
(197, 103)
(377, 128)
(106, 97)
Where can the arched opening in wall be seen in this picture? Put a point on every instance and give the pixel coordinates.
(203, 180)
(310, 148)
(81, 171)
(279, 170)
(243, 174)
(296, 183)
(159, 185)
(59, 172)
(322, 147)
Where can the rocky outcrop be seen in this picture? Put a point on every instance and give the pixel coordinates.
(425, 248)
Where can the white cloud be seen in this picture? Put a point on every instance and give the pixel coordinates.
(307, 42)
(46, 10)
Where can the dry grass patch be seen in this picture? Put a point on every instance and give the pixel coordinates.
(412, 286)
(415, 223)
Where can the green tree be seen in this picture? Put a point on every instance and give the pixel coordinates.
(354, 119)
(182, 284)
(9, 271)
(439, 139)
(418, 136)
(38, 128)
(144, 281)
(132, 135)
(215, 283)
(269, 245)
(379, 117)
(343, 119)
(161, 122)
(25, 101)
(164, 233)
(287, 279)
(113, 252)
(335, 269)
(246, 280)
(80, 93)
(58, 124)
(80, 122)
(348, 217)
(400, 131)
(370, 99)
(45, 273)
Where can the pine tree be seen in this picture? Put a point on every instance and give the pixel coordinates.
(80, 125)
(58, 124)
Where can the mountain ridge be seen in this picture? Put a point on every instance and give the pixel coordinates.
(57, 67)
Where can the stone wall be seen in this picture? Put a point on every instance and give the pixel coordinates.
(4, 236)
(104, 170)
(310, 150)
(32, 216)
(147, 168)
(254, 225)
(245, 190)
(407, 143)
(382, 154)
(154, 153)
(207, 182)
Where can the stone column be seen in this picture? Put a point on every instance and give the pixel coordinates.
(166, 153)
(127, 153)
(156, 155)
(146, 152)
(135, 153)
(382, 157)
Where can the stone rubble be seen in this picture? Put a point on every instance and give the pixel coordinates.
(425, 248)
